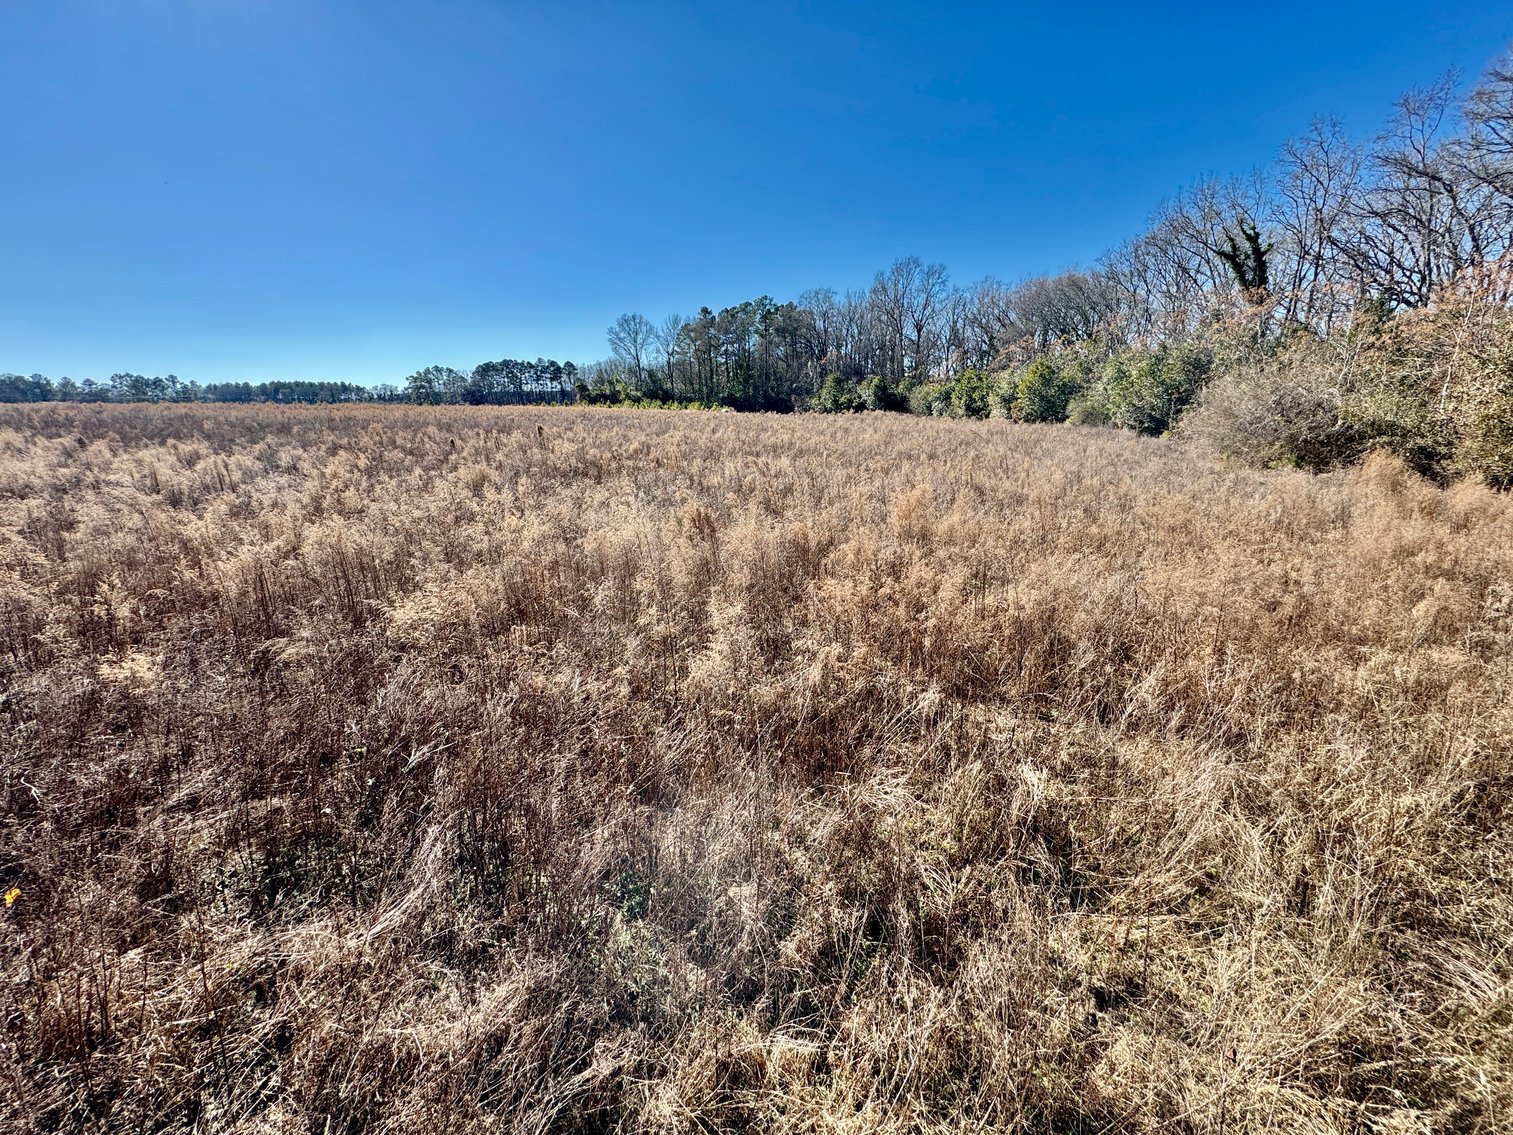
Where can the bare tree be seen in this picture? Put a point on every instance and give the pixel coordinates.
(671, 341)
(908, 301)
(1319, 180)
(630, 337)
(1486, 155)
(927, 310)
(1425, 217)
(987, 322)
(1046, 310)
(860, 345)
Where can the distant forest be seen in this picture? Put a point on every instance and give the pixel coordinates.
(503, 382)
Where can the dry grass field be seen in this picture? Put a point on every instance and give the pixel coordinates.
(391, 770)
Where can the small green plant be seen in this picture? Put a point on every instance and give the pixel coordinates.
(631, 892)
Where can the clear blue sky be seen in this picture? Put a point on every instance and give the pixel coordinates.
(256, 189)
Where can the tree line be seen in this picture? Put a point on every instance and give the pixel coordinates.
(506, 382)
(501, 382)
(126, 387)
(1334, 230)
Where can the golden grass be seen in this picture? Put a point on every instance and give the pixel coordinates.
(382, 769)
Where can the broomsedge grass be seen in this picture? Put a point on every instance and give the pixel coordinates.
(386, 770)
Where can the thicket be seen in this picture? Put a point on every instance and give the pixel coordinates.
(1434, 386)
(393, 769)
(1350, 297)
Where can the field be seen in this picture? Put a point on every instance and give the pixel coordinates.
(390, 770)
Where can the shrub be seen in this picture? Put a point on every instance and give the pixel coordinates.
(1488, 449)
(1044, 391)
(1148, 389)
(836, 396)
(1090, 408)
(930, 399)
(1282, 411)
(876, 393)
(972, 394)
(1436, 386)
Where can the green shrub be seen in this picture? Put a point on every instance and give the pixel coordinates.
(1090, 408)
(1147, 389)
(930, 399)
(836, 396)
(875, 393)
(1044, 391)
(1003, 400)
(972, 394)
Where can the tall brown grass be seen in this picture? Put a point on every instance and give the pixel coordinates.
(571, 770)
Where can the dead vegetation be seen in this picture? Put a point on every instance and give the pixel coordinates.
(571, 770)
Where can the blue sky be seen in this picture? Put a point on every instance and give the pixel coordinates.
(258, 189)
